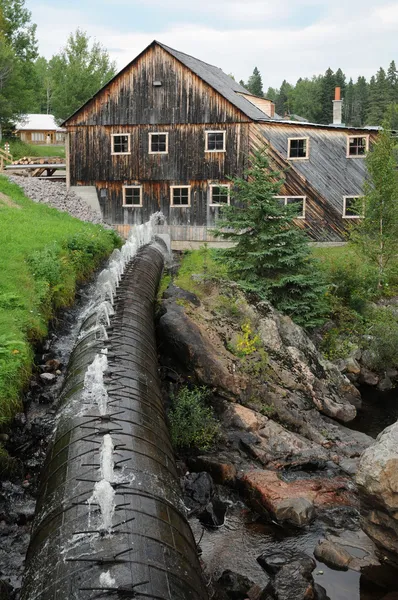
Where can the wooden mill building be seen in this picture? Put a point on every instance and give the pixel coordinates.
(169, 130)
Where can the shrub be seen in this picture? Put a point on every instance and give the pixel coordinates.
(192, 421)
(383, 345)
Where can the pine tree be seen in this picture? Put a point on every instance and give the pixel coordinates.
(360, 102)
(349, 103)
(340, 81)
(282, 102)
(379, 98)
(272, 94)
(255, 84)
(242, 83)
(271, 255)
(328, 85)
(392, 78)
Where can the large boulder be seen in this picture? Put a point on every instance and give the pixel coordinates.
(301, 368)
(296, 501)
(377, 478)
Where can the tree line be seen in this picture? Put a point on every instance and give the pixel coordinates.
(364, 102)
(30, 83)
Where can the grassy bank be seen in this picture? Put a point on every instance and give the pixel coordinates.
(44, 253)
(18, 149)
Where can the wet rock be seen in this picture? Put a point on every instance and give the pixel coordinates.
(214, 513)
(48, 377)
(221, 472)
(272, 562)
(377, 478)
(332, 554)
(349, 365)
(359, 546)
(175, 292)
(293, 581)
(320, 592)
(234, 585)
(385, 384)
(367, 377)
(294, 501)
(6, 590)
(198, 490)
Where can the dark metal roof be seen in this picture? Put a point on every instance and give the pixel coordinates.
(220, 81)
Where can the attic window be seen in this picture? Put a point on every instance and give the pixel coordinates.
(353, 207)
(297, 201)
(120, 143)
(298, 148)
(357, 146)
(219, 194)
(158, 143)
(215, 141)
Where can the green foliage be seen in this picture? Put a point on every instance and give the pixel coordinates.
(164, 284)
(192, 421)
(77, 73)
(335, 345)
(255, 84)
(247, 342)
(376, 235)
(200, 268)
(19, 148)
(39, 267)
(383, 332)
(271, 255)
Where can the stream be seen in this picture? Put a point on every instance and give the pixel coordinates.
(234, 546)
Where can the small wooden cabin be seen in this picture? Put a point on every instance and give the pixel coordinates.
(40, 130)
(168, 132)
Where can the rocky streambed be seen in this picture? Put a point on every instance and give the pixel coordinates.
(283, 516)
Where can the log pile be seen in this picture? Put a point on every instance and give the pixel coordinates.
(39, 160)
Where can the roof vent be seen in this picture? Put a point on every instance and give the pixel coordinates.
(157, 84)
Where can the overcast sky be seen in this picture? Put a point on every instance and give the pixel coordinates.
(283, 38)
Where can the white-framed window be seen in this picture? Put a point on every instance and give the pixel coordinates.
(132, 196)
(357, 146)
(353, 208)
(219, 194)
(298, 148)
(298, 201)
(120, 143)
(38, 137)
(180, 195)
(60, 137)
(158, 143)
(215, 141)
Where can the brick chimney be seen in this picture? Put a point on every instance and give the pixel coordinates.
(337, 107)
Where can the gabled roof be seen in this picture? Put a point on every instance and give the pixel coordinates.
(220, 81)
(213, 76)
(34, 122)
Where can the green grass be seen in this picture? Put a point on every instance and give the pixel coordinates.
(198, 267)
(44, 253)
(18, 149)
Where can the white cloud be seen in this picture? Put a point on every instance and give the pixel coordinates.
(355, 36)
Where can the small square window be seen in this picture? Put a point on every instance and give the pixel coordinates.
(180, 195)
(158, 143)
(219, 195)
(357, 146)
(132, 195)
(353, 207)
(298, 148)
(121, 143)
(215, 141)
(297, 201)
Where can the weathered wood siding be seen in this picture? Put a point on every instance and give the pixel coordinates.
(324, 178)
(91, 159)
(132, 99)
(156, 197)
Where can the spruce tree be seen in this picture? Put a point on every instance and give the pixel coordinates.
(255, 84)
(392, 79)
(271, 255)
(348, 103)
(328, 85)
(360, 102)
(282, 102)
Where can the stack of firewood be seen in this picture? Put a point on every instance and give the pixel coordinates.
(39, 160)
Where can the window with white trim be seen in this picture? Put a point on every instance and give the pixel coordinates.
(219, 194)
(120, 143)
(158, 143)
(215, 141)
(60, 137)
(353, 207)
(357, 146)
(38, 137)
(132, 195)
(298, 201)
(180, 195)
(298, 148)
